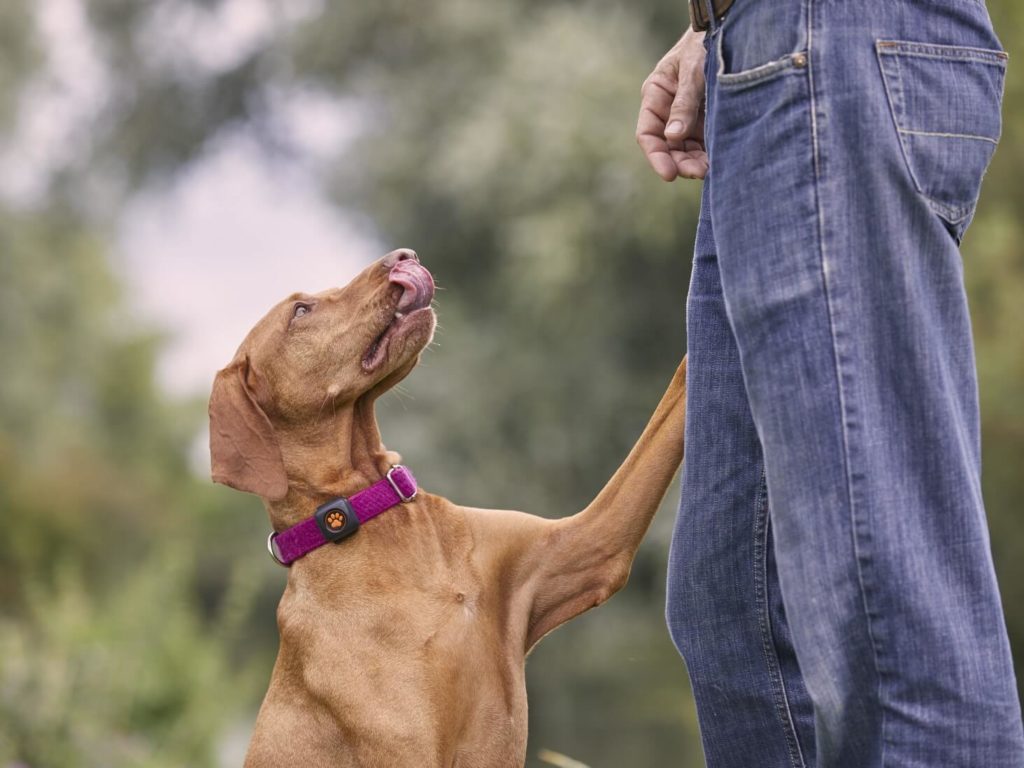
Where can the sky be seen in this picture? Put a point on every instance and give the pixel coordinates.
(203, 257)
(235, 235)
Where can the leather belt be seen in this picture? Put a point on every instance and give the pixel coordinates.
(699, 13)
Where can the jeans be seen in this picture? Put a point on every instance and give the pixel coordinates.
(831, 585)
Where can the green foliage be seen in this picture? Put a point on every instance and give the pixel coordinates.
(130, 678)
(18, 57)
(121, 623)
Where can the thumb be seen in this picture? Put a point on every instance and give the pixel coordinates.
(685, 109)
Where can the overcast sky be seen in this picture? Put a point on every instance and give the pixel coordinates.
(207, 256)
(207, 259)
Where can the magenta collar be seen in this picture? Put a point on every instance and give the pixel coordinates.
(341, 517)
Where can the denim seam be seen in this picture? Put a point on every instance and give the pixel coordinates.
(944, 135)
(860, 559)
(785, 65)
(894, 98)
(771, 657)
(989, 56)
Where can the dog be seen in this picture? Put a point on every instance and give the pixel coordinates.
(402, 645)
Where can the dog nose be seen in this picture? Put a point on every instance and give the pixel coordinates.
(400, 254)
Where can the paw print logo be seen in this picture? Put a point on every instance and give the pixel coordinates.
(335, 520)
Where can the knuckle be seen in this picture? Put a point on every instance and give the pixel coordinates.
(659, 79)
(682, 99)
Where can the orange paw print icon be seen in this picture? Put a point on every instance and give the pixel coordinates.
(335, 520)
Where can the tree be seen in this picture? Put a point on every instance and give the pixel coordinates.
(497, 140)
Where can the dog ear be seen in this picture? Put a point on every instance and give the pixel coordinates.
(243, 450)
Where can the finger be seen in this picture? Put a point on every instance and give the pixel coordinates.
(657, 93)
(690, 164)
(685, 111)
(693, 137)
(650, 132)
(658, 156)
(693, 169)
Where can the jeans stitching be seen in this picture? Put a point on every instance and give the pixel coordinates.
(861, 560)
(946, 52)
(944, 135)
(771, 658)
(894, 99)
(755, 75)
(758, 74)
(892, 83)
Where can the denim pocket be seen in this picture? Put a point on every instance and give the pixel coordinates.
(788, 64)
(946, 104)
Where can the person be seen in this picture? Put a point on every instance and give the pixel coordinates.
(830, 585)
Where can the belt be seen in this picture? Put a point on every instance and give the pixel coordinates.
(699, 13)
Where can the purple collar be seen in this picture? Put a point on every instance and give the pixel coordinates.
(341, 517)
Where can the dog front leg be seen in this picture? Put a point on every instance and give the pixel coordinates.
(583, 560)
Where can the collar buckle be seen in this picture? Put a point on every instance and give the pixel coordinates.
(339, 518)
(405, 499)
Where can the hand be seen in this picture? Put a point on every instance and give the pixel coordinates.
(670, 130)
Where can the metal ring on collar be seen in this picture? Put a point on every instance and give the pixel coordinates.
(273, 554)
(405, 499)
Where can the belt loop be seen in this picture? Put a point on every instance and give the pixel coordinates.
(709, 9)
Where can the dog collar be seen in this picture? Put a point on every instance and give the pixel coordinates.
(341, 517)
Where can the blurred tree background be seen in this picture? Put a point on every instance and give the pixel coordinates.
(137, 617)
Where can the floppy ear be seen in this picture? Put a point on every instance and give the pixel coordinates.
(243, 450)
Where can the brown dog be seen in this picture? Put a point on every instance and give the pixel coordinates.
(405, 645)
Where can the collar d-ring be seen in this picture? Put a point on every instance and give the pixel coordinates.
(273, 553)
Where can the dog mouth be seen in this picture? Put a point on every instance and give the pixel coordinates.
(411, 309)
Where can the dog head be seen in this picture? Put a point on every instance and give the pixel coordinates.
(311, 352)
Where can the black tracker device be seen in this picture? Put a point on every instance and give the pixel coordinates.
(337, 519)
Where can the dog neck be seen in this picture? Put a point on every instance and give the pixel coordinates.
(339, 454)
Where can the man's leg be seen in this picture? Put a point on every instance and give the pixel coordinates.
(724, 608)
(843, 171)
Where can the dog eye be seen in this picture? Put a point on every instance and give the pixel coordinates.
(301, 309)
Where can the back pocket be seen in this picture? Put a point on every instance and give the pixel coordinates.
(946, 103)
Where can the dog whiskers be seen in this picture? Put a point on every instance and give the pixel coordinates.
(320, 411)
(403, 396)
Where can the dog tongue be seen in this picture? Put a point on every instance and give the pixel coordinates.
(417, 285)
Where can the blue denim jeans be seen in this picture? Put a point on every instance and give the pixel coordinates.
(831, 585)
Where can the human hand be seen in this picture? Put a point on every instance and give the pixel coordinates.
(670, 129)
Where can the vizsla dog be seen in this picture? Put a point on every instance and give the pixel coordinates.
(403, 645)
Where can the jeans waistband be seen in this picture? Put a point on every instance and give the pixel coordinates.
(707, 14)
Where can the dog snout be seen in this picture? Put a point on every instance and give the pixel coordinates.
(400, 254)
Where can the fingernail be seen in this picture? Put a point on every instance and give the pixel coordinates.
(674, 127)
